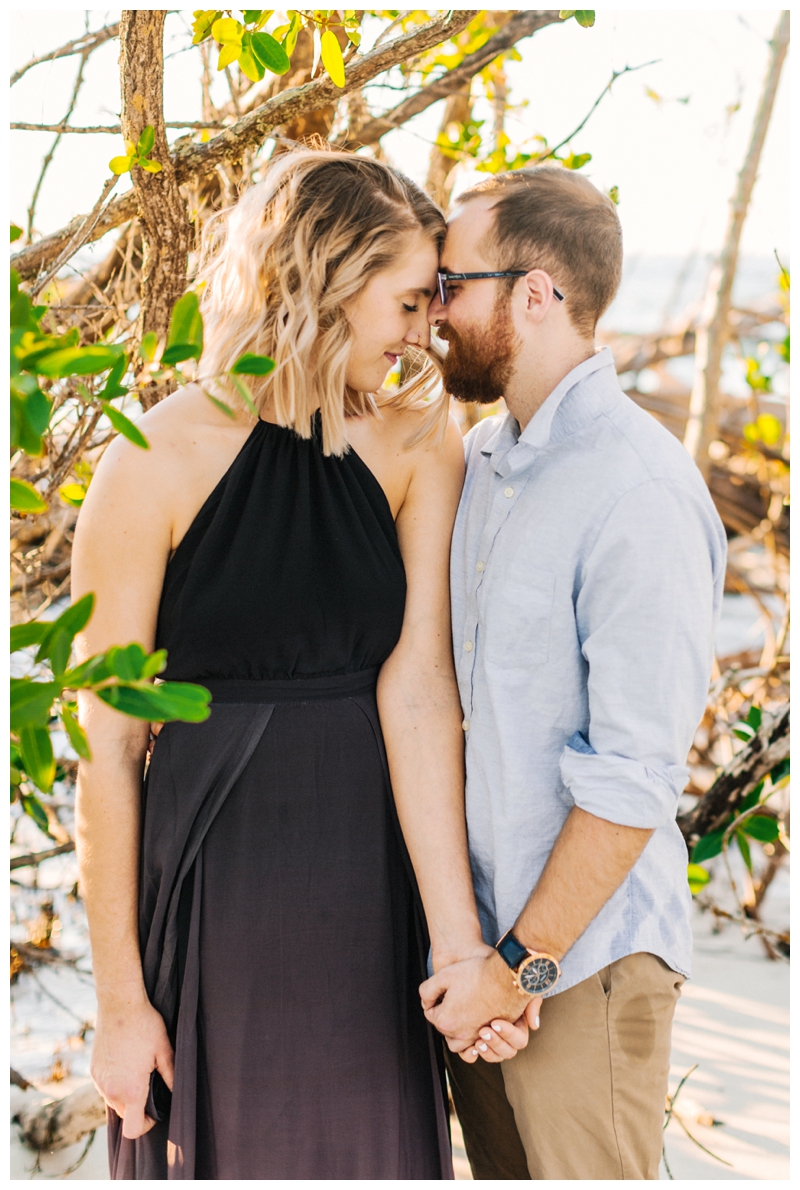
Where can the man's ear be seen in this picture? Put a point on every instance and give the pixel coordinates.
(538, 289)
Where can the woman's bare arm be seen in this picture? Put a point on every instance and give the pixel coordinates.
(420, 709)
(122, 543)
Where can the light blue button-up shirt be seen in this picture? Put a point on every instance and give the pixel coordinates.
(587, 573)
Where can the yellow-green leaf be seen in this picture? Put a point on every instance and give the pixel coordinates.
(203, 20)
(250, 67)
(152, 167)
(72, 493)
(76, 734)
(698, 878)
(125, 426)
(120, 165)
(769, 429)
(226, 30)
(332, 58)
(25, 498)
(229, 54)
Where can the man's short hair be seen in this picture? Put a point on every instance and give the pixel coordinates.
(552, 218)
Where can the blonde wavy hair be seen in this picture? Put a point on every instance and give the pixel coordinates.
(280, 265)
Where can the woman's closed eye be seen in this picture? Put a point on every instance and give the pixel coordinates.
(411, 309)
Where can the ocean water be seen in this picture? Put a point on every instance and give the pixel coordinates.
(659, 291)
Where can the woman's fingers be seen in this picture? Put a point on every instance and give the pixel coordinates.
(135, 1122)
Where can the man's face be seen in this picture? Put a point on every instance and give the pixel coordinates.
(477, 321)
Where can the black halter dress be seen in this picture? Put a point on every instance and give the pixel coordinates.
(281, 932)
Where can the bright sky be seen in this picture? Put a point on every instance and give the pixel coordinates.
(674, 163)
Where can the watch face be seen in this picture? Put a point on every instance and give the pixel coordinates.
(537, 976)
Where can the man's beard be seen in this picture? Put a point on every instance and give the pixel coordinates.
(478, 367)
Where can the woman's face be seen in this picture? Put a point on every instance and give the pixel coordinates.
(391, 313)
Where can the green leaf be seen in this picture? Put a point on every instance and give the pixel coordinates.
(575, 160)
(25, 498)
(76, 734)
(148, 346)
(16, 232)
(120, 165)
(270, 53)
(290, 40)
(249, 65)
(113, 386)
(35, 810)
(762, 828)
(127, 662)
(94, 669)
(77, 361)
(698, 878)
(332, 58)
(253, 365)
(566, 13)
(781, 770)
(23, 635)
(707, 847)
(72, 493)
(752, 798)
(742, 731)
(31, 702)
(75, 618)
(156, 663)
(744, 847)
(185, 338)
(754, 718)
(223, 408)
(36, 751)
(150, 167)
(124, 426)
(251, 15)
(243, 390)
(146, 140)
(164, 703)
(585, 19)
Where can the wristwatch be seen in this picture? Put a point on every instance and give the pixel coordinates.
(535, 971)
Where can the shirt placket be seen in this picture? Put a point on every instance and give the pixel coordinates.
(507, 487)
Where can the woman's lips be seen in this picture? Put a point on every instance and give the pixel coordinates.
(391, 358)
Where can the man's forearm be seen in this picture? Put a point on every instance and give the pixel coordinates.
(589, 861)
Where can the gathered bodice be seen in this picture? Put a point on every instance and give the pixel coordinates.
(291, 569)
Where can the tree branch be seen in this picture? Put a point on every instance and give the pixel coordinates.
(768, 747)
(522, 24)
(36, 857)
(116, 129)
(192, 161)
(79, 45)
(83, 232)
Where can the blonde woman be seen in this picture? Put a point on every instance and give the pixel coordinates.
(256, 925)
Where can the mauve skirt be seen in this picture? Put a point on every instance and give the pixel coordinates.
(283, 942)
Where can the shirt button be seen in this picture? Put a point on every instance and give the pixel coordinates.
(508, 493)
(465, 725)
(468, 646)
(481, 566)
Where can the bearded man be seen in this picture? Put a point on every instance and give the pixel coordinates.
(587, 573)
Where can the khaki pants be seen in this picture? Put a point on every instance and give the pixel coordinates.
(585, 1100)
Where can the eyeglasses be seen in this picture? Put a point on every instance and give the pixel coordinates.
(442, 280)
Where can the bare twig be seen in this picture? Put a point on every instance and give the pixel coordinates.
(36, 857)
(79, 45)
(617, 74)
(49, 156)
(79, 238)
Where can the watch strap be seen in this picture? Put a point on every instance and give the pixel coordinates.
(511, 950)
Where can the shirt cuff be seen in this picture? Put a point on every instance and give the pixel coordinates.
(621, 790)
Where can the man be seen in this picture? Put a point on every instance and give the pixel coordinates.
(587, 575)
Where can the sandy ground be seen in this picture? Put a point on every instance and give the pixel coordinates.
(732, 1020)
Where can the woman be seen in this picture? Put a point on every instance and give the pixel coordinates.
(261, 951)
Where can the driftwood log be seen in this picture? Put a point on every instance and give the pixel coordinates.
(768, 747)
(46, 1127)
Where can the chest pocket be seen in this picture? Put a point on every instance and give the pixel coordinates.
(516, 617)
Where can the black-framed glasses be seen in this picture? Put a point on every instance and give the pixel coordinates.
(442, 280)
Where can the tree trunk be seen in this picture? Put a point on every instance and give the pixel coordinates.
(166, 230)
(712, 333)
(457, 110)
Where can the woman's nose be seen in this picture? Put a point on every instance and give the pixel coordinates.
(420, 334)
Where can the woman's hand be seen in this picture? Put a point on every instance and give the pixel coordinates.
(498, 1041)
(129, 1044)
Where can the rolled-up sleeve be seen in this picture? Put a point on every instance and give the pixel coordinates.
(647, 605)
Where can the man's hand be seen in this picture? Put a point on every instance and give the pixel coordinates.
(461, 998)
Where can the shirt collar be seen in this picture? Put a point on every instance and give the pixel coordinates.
(537, 433)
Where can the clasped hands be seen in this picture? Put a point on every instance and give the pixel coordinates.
(474, 1004)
